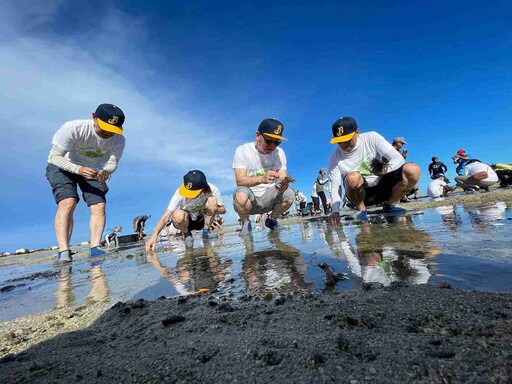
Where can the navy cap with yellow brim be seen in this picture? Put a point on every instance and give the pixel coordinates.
(343, 130)
(272, 128)
(110, 118)
(189, 193)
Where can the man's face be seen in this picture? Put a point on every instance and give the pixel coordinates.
(436, 160)
(265, 144)
(347, 146)
(398, 144)
(101, 133)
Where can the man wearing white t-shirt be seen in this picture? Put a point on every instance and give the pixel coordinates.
(477, 175)
(193, 207)
(439, 187)
(259, 166)
(370, 169)
(84, 153)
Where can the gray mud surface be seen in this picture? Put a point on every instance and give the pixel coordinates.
(418, 334)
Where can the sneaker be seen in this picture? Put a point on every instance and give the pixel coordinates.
(96, 251)
(246, 229)
(271, 223)
(362, 216)
(393, 209)
(207, 234)
(64, 257)
(189, 240)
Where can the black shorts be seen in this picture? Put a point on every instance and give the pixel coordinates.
(64, 186)
(195, 225)
(381, 192)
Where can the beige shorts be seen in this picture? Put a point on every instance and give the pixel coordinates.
(270, 198)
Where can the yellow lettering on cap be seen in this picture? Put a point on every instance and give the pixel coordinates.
(188, 186)
(340, 131)
(279, 129)
(113, 120)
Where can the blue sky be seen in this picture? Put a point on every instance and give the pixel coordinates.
(195, 81)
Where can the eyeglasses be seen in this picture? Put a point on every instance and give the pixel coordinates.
(269, 142)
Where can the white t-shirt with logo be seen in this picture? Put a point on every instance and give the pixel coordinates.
(193, 206)
(471, 169)
(435, 188)
(370, 145)
(85, 147)
(257, 164)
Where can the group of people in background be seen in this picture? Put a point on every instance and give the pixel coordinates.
(369, 170)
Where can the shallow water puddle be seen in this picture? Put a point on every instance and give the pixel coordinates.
(467, 247)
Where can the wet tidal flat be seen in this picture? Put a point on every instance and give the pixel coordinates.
(468, 247)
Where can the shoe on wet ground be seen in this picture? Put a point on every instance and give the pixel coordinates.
(64, 257)
(362, 216)
(246, 229)
(189, 240)
(207, 234)
(271, 223)
(393, 209)
(96, 251)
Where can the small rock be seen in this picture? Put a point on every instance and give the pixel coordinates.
(174, 319)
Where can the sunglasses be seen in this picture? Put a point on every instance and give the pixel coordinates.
(269, 142)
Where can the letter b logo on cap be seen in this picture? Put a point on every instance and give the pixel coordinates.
(188, 186)
(279, 129)
(340, 131)
(113, 120)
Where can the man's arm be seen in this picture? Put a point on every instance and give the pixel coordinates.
(150, 245)
(57, 158)
(242, 180)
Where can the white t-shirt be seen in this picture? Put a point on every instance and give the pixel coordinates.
(435, 188)
(84, 146)
(471, 169)
(193, 206)
(257, 164)
(369, 146)
(313, 191)
(300, 198)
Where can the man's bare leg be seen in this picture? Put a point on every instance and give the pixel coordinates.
(64, 222)
(410, 177)
(97, 223)
(354, 188)
(280, 208)
(243, 206)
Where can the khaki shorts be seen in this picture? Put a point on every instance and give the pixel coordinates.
(265, 203)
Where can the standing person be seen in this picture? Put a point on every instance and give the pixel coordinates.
(111, 237)
(139, 224)
(320, 190)
(398, 143)
(84, 153)
(439, 187)
(260, 167)
(461, 158)
(437, 168)
(477, 175)
(315, 199)
(193, 206)
(371, 170)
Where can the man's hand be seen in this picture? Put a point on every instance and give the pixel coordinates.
(151, 244)
(103, 176)
(270, 177)
(334, 218)
(88, 173)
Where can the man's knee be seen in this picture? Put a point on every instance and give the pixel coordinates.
(98, 209)
(411, 171)
(353, 180)
(179, 216)
(68, 204)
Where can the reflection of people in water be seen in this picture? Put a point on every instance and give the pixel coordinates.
(99, 292)
(194, 272)
(449, 217)
(280, 268)
(488, 214)
(394, 253)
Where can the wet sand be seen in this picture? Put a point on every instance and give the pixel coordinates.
(399, 333)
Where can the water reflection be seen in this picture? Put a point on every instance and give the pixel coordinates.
(484, 216)
(195, 271)
(449, 217)
(279, 268)
(99, 293)
(396, 252)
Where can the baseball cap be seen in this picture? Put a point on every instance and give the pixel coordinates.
(272, 128)
(399, 139)
(460, 151)
(193, 184)
(110, 118)
(343, 130)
